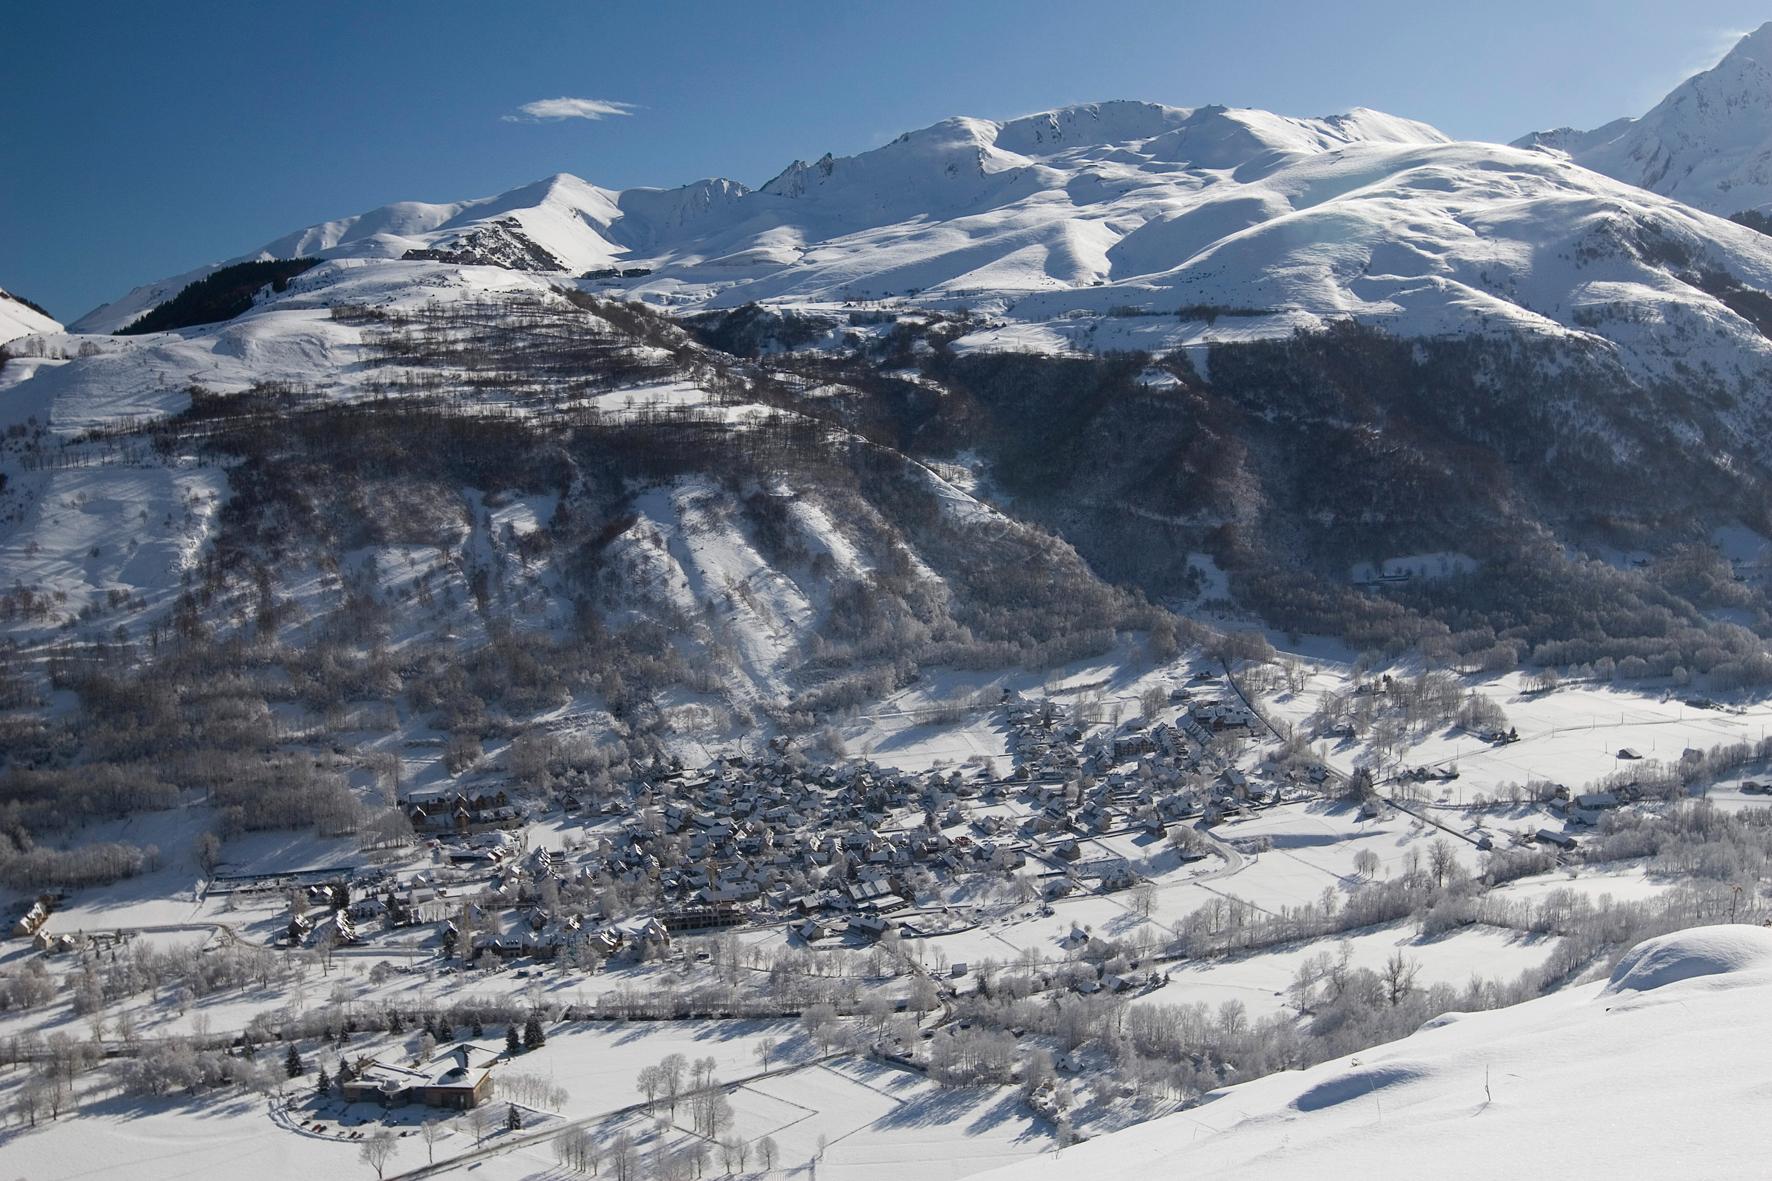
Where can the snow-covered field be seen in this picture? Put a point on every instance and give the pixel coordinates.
(880, 1122)
(859, 1119)
(1647, 1075)
(1259, 980)
(173, 1140)
(1571, 735)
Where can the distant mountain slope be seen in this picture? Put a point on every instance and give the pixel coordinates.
(18, 318)
(1708, 143)
(1128, 225)
(1645, 1076)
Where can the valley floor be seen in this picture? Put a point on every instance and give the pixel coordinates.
(858, 1097)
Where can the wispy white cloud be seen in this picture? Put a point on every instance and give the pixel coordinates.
(548, 110)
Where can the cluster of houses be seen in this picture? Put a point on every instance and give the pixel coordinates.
(1138, 775)
(32, 920)
(456, 809)
(749, 838)
(33, 924)
(835, 849)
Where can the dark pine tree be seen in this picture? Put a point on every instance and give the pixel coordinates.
(323, 1085)
(513, 1121)
(533, 1037)
(511, 1043)
(292, 1063)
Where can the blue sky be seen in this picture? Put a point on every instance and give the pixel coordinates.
(142, 139)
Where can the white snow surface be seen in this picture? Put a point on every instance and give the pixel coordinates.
(1708, 143)
(1687, 955)
(1654, 1078)
(18, 319)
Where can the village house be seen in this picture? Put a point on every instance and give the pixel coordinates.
(35, 917)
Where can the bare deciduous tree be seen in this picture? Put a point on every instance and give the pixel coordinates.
(1442, 861)
(1399, 977)
(377, 1150)
(430, 1132)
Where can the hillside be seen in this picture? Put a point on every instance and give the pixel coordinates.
(1654, 1058)
(18, 318)
(476, 505)
(1708, 143)
(1103, 336)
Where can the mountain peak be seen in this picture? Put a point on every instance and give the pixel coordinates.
(1756, 45)
(1087, 124)
(1749, 59)
(959, 153)
(1708, 143)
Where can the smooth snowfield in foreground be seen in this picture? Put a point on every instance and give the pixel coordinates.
(1658, 1072)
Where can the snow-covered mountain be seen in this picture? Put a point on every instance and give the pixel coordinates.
(717, 238)
(1708, 143)
(1187, 224)
(1639, 1076)
(18, 318)
(760, 553)
(1582, 359)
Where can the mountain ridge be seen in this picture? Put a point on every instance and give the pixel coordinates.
(1707, 143)
(1053, 221)
(611, 222)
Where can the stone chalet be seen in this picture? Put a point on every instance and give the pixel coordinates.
(457, 809)
(460, 1078)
